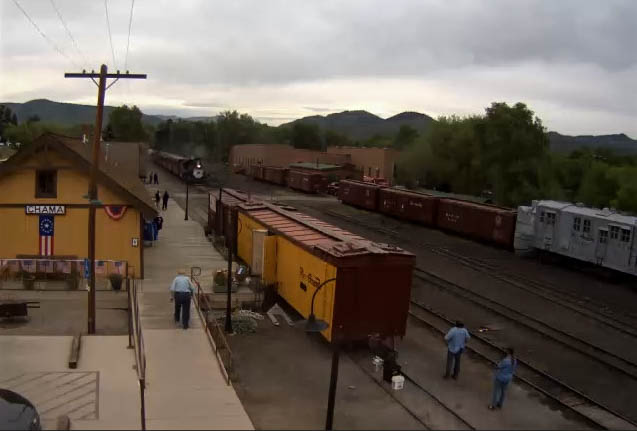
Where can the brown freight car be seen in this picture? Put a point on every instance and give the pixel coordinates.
(359, 194)
(488, 223)
(256, 172)
(308, 182)
(275, 174)
(361, 287)
(408, 205)
(220, 213)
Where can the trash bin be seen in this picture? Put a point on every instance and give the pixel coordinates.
(390, 369)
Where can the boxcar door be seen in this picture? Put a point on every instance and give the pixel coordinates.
(547, 218)
(602, 244)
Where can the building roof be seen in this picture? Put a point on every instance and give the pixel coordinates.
(315, 166)
(80, 154)
(610, 215)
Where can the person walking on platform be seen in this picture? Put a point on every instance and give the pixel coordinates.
(456, 339)
(504, 371)
(157, 199)
(155, 177)
(182, 291)
(165, 200)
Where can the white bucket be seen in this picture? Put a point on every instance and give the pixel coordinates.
(397, 382)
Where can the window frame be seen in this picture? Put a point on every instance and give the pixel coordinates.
(586, 227)
(46, 195)
(613, 232)
(625, 233)
(551, 217)
(603, 236)
(577, 224)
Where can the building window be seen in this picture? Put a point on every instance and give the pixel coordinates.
(587, 226)
(577, 224)
(542, 217)
(625, 235)
(614, 232)
(550, 218)
(603, 236)
(45, 184)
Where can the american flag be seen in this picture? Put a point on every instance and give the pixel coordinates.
(46, 235)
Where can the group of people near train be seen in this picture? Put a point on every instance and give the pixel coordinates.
(164, 198)
(152, 178)
(457, 339)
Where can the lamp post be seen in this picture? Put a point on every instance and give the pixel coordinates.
(314, 325)
(187, 185)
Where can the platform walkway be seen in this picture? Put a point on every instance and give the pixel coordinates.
(185, 387)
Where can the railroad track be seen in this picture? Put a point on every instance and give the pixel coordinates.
(573, 342)
(427, 393)
(593, 412)
(555, 296)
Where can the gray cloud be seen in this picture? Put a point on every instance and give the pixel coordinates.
(296, 57)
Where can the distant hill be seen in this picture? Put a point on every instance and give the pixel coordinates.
(363, 125)
(620, 144)
(69, 114)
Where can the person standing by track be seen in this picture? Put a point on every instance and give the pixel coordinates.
(504, 371)
(156, 179)
(157, 199)
(456, 339)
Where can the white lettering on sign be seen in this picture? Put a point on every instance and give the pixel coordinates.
(45, 209)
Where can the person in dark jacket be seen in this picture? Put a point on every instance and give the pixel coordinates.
(165, 200)
(157, 199)
(504, 371)
(155, 177)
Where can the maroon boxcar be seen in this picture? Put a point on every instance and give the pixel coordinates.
(408, 205)
(359, 194)
(308, 182)
(256, 172)
(275, 174)
(488, 223)
(219, 213)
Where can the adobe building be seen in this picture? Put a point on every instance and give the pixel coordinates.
(44, 207)
(371, 162)
(374, 162)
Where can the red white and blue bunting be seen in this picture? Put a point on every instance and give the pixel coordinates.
(115, 212)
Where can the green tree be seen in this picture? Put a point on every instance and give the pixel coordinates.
(307, 136)
(406, 136)
(126, 124)
(335, 139)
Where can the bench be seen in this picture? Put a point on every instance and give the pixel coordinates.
(29, 278)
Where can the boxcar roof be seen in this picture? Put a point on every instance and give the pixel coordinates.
(314, 234)
(318, 167)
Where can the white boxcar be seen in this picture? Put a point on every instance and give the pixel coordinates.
(602, 237)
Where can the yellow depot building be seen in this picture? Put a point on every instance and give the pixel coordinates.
(44, 206)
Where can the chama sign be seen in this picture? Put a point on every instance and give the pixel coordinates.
(45, 209)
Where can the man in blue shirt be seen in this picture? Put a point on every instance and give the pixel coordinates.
(504, 371)
(456, 339)
(182, 291)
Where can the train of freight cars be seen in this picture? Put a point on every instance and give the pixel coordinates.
(186, 168)
(361, 288)
(600, 237)
(308, 182)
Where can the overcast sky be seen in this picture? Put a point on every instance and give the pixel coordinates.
(573, 62)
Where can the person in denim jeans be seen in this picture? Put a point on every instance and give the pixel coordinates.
(504, 371)
(456, 339)
(182, 291)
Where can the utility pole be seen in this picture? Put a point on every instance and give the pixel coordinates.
(103, 75)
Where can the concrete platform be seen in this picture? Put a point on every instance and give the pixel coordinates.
(101, 393)
(185, 387)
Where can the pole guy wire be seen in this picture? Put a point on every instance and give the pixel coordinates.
(110, 37)
(130, 23)
(69, 34)
(47, 38)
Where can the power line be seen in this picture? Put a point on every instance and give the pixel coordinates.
(53, 44)
(110, 38)
(68, 32)
(130, 23)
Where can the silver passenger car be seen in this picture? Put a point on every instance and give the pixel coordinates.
(601, 236)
